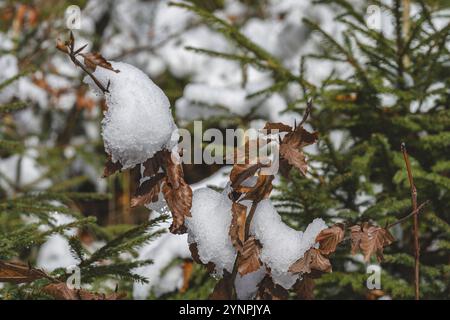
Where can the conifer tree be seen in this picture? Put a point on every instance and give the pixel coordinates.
(397, 92)
(29, 216)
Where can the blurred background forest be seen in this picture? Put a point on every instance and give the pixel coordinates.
(231, 64)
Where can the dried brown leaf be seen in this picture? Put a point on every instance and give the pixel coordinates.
(152, 165)
(148, 191)
(17, 272)
(178, 194)
(111, 167)
(268, 290)
(94, 59)
(295, 157)
(292, 144)
(281, 127)
(370, 240)
(242, 172)
(224, 288)
(195, 256)
(311, 260)
(61, 46)
(249, 260)
(329, 238)
(261, 190)
(237, 227)
(304, 288)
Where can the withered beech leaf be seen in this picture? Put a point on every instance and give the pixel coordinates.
(210, 267)
(242, 172)
(224, 288)
(268, 290)
(60, 291)
(370, 240)
(304, 288)
(94, 59)
(261, 190)
(281, 127)
(300, 137)
(311, 260)
(178, 194)
(237, 227)
(329, 238)
(148, 191)
(292, 144)
(153, 164)
(294, 156)
(62, 46)
(179, 202)
(249, 261)
(17, 272)
(111, 167)
(355, 236)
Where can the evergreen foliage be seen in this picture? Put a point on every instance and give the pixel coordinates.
(397, 91)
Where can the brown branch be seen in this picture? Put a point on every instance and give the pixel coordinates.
(69, 49)
(414, 212)
(416, 222)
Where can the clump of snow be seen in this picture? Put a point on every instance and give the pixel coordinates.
(247, 285)
(281, 245)
(208, 228)
(138, 122)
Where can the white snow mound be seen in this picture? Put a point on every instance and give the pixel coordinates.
(208, 228)
(281, 245)
(138, 122)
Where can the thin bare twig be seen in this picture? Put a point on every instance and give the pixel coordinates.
(414, 212)
(416, 223)
(69, 49)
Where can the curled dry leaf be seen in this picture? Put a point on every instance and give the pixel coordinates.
(242, 172)
(178, 195)
(224, 288)
(370, 240)
(291, 147)
(311, 260)
(281, 127)
(111, 167)
(249, 261)
(152, 165)
(329, 238)
(268, 290)
(304, 288)
(16, 272)
(94, 59)
(148, 191)
(210, 267)
(62, 46)
(60, 291)
(261, 190)
(237, 227)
